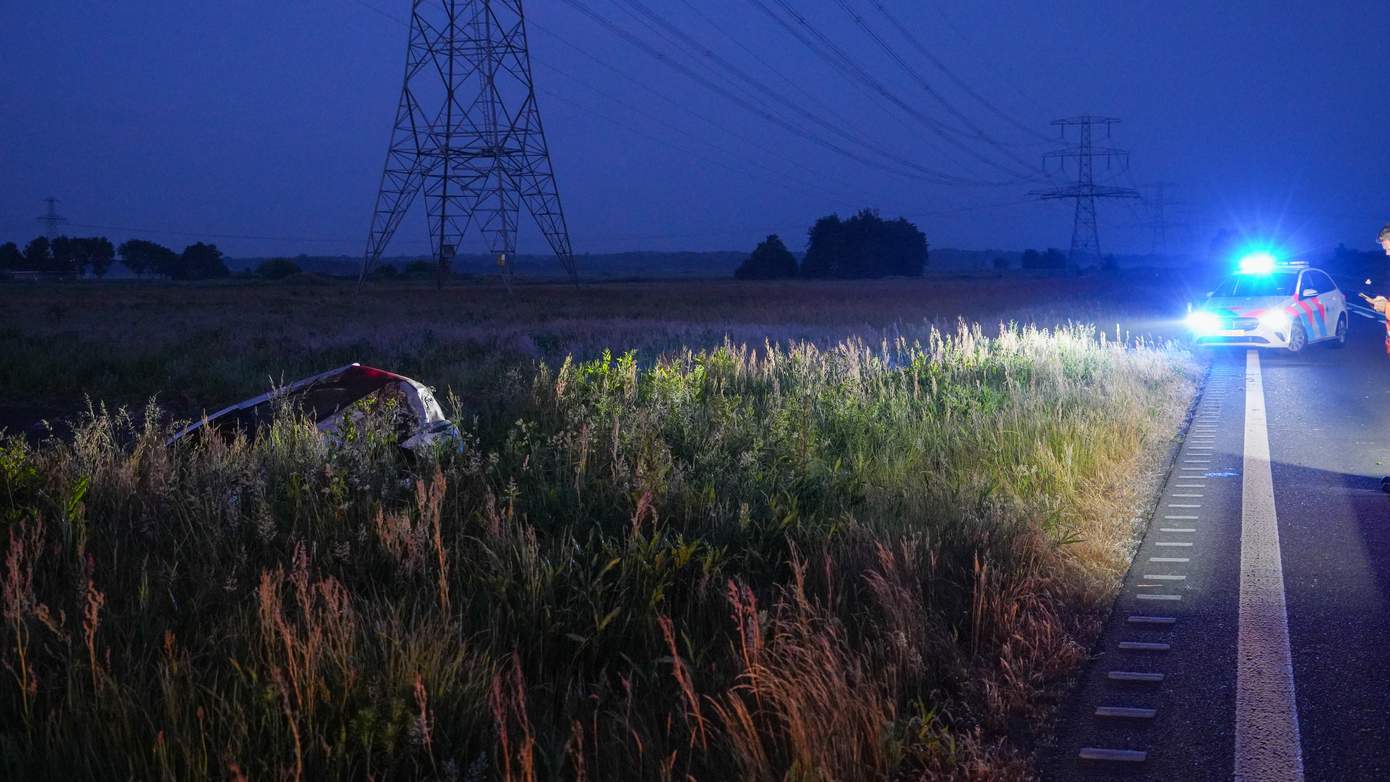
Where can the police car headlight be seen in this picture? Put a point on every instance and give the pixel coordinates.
(1200, 322)
(1276, 321)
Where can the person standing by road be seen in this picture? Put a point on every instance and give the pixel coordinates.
(1380, 302)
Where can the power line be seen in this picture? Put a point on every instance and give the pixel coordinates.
(832, 53)
(908, 169)
(723, 131)
(791, 83)
(926, 85)
(964, 86)
(777, 177)
(686, 41)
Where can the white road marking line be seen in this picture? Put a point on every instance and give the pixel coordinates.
(1165, 577)
(1113, 755)
(1143, 646)
(1137, 619)
(1169, 559)
(1184, 504)
(1134, 676)
(1191, 486)
(1181, 518)
(1125, 712)
(1177, 529)
(1173, 544)
(1147, 596)
(1187, 495)
(1268, 746)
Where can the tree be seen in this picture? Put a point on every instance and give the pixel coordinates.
(277, 269)
(73, 256)
(143, 257)
(771, 260)
(98, 255)
(1000, 263)
(37, 254)
(201, 262)
(865, 245)
(10, 256)
(62, 257)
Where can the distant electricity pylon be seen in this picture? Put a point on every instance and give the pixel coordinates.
(50, 219)
(468, 133)
(1085, 235)
(1160, 209)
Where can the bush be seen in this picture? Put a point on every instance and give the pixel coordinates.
(771, 260)
(277, 269)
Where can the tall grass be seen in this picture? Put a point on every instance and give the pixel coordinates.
(852, 562)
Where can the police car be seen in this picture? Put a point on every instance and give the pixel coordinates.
(1269, 304)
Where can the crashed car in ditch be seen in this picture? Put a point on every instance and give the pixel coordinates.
(342, 397)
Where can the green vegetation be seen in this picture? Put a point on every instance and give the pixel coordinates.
(851, 559)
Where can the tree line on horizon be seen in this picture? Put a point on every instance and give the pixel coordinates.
(859, 247)
(66, 256)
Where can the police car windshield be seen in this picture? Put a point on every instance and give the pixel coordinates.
(1257, 285)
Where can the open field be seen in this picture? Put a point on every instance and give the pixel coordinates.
(200, 346)
(808, 531)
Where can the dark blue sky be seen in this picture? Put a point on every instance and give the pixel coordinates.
(270, 119)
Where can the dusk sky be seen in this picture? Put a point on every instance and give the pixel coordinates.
(263, 126)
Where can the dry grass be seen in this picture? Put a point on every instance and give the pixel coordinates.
(830, 559)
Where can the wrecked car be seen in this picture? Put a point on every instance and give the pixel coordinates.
(340, 397)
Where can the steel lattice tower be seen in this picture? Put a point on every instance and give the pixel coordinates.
(50, 219)
(1085, 237)
(468, 134)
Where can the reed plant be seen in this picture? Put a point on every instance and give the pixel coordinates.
(856, 560)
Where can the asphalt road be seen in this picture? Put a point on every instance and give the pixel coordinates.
(1260, 595)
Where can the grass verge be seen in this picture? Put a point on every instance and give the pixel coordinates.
(851, 562)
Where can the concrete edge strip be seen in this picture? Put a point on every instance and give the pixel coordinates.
(1268, 747)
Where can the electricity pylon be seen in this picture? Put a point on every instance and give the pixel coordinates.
(1085, 235)
(50, 219)
(468, 134)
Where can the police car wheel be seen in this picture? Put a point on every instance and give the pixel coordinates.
(1340, 338)
(1298, 340)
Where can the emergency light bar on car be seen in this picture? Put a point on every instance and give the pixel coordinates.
(1259, 263)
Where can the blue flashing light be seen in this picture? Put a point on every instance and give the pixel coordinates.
(1259, 262)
